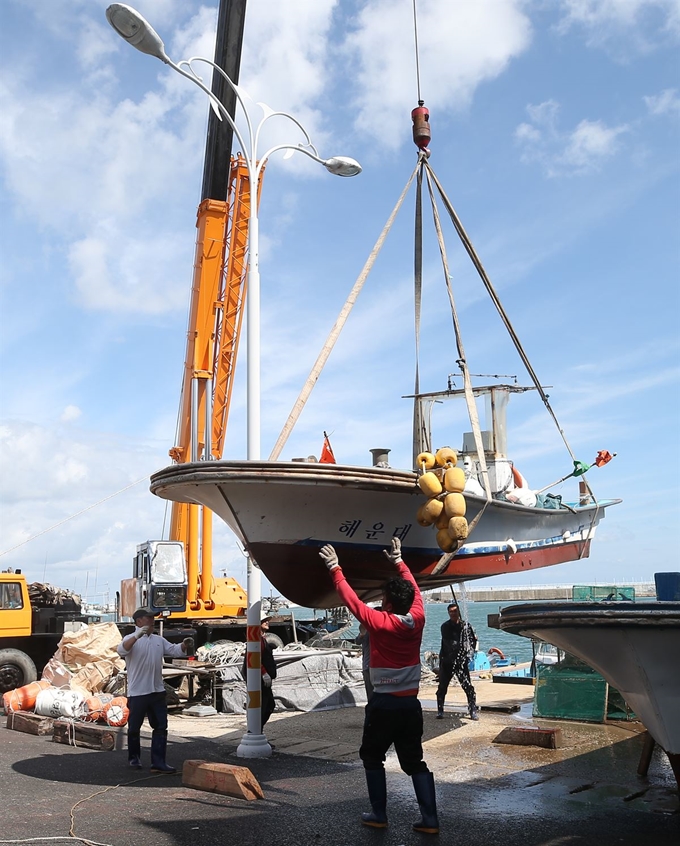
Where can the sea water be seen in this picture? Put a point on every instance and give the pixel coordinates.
(476, 613)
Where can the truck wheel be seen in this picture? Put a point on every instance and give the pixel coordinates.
(16, 669)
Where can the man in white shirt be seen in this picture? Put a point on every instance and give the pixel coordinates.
(143, 652)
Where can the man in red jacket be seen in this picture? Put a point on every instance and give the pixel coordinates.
(393, 714)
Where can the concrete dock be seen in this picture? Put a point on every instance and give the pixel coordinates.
(586, 792)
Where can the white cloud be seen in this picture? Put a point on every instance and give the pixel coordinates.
(622, 27)
(461, 45)
(566, 153)
(70, 413)
(589, 144)
(667, 102)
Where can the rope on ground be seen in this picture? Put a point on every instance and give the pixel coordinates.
(71, 833)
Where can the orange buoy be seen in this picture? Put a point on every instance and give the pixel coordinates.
(433, 508)
(23, 698)
(116, 713)
(518, 478)
(95, 706)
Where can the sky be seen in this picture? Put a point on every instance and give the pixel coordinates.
(555, 136)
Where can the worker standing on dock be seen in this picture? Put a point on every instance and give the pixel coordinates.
(393, 714)
(143, 652)
(459, 642)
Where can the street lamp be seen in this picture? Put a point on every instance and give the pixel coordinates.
(131, 26)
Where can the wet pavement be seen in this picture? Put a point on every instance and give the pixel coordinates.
(587, 792)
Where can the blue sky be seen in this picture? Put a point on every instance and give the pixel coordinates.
(555, 135)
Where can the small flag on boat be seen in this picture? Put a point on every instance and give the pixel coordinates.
(603, 457)
(327, 456)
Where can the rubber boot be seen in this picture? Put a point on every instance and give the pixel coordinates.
(440, 708)
(377, 793)
(423, 784)
(159, 743)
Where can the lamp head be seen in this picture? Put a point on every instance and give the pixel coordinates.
(136, 30)
(342, 166)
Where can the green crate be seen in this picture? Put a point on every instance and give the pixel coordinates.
(602, 593)
(571, 690)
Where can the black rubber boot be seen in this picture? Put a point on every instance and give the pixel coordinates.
(423, 784)
(159, 743)
(377, 793)
(440, 708)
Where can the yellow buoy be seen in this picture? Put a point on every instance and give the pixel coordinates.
(430, 484)
(433, 508)
(454, 505)
(422, 518)
(427, 459)
(442, 521)
(454, 479)
(444, 541)
(458, 528)
(445, 456)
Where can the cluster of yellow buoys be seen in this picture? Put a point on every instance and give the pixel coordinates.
(443, 484)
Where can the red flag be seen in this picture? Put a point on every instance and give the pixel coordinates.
(603, 457)
(327, 456)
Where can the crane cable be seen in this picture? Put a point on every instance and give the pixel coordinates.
(415, 36)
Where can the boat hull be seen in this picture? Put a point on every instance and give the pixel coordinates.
(635, 646)
(284, 512)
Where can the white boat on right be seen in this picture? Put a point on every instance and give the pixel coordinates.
(633, 645)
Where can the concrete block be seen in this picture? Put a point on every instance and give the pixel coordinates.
(531, 736)
(221, 778)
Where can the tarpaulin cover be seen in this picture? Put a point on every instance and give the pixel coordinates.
(319, 681)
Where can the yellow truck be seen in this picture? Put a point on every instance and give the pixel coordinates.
(30, 629)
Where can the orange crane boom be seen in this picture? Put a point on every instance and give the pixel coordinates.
(215, 317)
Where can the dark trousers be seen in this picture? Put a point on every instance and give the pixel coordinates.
(394, 720)
(459, 669)
(268, 704)
(152, 706)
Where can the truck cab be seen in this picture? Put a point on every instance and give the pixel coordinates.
(15, 607)
(159, 579)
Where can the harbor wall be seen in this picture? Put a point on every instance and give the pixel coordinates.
(520, 593)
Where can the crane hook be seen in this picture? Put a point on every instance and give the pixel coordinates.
(421, 127)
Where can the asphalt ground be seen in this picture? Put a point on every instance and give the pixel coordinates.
(587, 792)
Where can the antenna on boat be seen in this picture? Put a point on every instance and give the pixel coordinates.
(420, 115)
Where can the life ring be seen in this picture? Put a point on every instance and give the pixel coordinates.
(518, 478)
(496, 651)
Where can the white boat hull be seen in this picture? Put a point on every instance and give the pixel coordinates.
(284, 512)
(635, 646)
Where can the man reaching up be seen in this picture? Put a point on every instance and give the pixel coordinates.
(393, 714)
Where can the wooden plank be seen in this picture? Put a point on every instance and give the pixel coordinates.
(221, 778)
(29, 723)
(88, 735)
(531, 736)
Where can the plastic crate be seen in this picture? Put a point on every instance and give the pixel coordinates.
(602, 593)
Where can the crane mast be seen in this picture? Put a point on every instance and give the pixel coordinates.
(215, 318)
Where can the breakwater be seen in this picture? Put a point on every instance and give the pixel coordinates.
(532, 593)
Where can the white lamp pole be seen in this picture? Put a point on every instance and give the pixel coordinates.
(131, 26)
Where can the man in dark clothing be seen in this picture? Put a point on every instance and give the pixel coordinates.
(268, 673)
(268, 670)
(457, 649)
(393, 714)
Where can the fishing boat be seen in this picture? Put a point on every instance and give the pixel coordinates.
(283, 512)
(634, 645)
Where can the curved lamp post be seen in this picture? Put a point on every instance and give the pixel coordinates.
(131, 26)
